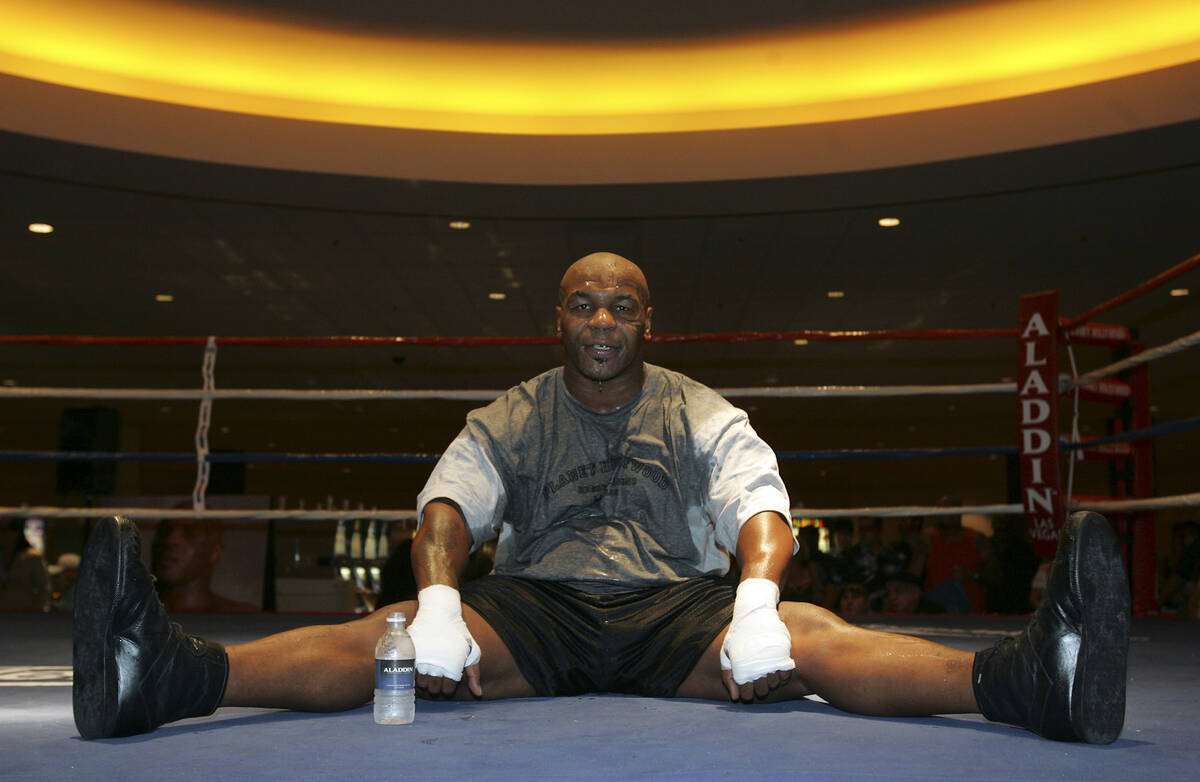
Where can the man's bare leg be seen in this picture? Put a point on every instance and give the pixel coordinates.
(1062, 677)
(855, 669)
(331, 667)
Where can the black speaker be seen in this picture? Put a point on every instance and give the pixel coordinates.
(227, 477)
(88, 429)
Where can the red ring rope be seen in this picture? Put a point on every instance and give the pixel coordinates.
(735, 336)
(307, 342)
(1145, 287)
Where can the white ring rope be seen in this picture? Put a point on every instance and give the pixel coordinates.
(1191, 340)
(1112, 506)
(470, 395)
(209, 393)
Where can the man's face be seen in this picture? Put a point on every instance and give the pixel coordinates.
(853, 601)
(902, 597)
(604, 322)
(184, 552)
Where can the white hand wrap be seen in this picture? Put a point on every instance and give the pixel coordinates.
(758, 642)
(444, 644)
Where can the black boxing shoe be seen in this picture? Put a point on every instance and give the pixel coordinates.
(1064, 676)
(133, 669)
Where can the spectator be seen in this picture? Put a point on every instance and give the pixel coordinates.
(24, 580)
(869, 562)
(1181, 569)
(910, 547)
(904, 596)
(807, 578)
(954, 564)
(1010, 567)
(852, 601)
(63, 574)
(184, 554)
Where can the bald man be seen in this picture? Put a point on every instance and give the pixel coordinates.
(183, 556)
(616, 489)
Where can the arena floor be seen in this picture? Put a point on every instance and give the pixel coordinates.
(595, 737)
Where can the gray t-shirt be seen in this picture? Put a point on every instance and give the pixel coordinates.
(653, 493)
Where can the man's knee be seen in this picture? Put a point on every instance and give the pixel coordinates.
(819, 636)
(807, 619)
(366, 631)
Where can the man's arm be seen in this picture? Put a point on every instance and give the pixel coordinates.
(440, 552)
(764, 550)
(442, 545)
(765, 546)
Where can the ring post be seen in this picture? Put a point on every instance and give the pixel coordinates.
(1037, 410)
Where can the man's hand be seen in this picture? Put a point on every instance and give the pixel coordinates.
(757, 654)
(445, 648)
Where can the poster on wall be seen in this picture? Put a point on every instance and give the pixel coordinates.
(203, 565)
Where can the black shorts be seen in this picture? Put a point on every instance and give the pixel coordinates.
(568, 642)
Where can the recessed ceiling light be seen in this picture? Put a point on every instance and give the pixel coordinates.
(164, 297)
(836, 294)
(497, 296)
(1179, 291)
(799, 341)
(459, 225)
(889, 222)
(41, 228)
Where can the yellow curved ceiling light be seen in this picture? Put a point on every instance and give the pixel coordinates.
(170, 52)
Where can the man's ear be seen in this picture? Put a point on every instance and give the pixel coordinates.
(646, 327)
(558, 314)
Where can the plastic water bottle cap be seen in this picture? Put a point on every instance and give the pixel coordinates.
(396, 616)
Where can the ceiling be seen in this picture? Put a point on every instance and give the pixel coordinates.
(273, 226)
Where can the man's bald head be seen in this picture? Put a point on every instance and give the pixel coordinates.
(609, 270)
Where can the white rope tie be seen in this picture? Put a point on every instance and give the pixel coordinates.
(203, 467)
(1074, 456)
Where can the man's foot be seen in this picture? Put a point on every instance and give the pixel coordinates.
(1064, 676)
(133, 669)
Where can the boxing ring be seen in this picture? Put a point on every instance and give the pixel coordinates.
(595, 736)
(605, 736)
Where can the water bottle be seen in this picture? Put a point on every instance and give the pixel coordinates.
(395, 670)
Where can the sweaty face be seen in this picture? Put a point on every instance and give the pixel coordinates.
(604, 322)
(182, 552)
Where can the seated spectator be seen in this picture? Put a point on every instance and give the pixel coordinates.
(852, 601)
(1010, 567)
(954, 564)
(1181, 569)
(63, 574)
(904, 596)
(184, 554)
(807, 579)
(24, 579)
(869, 561)
(910, 547)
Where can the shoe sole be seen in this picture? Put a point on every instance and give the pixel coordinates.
(95, 685)
(1098, 692)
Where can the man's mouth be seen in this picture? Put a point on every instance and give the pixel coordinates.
(600, 350)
